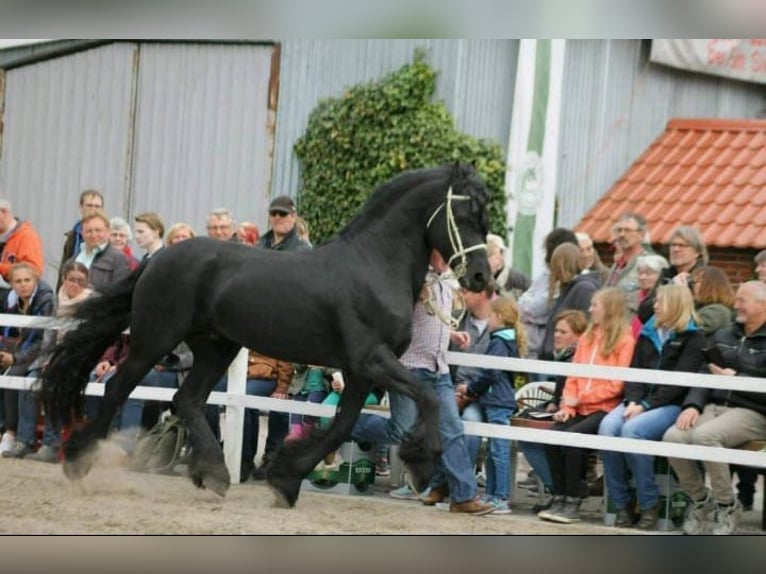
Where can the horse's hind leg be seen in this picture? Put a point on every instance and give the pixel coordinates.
(212, 356)
(296, 458)
(79, 449)
(419, 432)
(421, 445)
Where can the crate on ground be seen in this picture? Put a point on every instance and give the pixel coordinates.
(350, 470)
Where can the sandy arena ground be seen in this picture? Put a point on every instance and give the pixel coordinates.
(38, 499)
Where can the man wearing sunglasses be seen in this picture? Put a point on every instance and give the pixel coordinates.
(282, 236)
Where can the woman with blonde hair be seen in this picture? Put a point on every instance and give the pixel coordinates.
(586, 401)
(669, 341)
(178, 232)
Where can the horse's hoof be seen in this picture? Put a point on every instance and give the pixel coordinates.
(419, 474)
(76, 469)
(418, 483)
(283, 499)
(217, 485)
(285, 488)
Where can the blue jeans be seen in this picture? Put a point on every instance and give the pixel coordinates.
(472, 413)
(28, 411)
(454, 469)
(534, 452)
(649, 425)
(498, 455)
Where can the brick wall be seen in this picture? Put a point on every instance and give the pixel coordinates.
(736, 263)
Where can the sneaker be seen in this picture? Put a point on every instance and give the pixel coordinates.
(6, 443)
(727, 517)
(474, 507)
(382, 468)
(697, 515)
(406, 493)
(46, 453)
(481, 479)
(541, 506)
(501, 506)
(556, 505)
(18, 450)
(569, 513)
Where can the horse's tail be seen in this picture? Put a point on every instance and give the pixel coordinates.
(103, 317)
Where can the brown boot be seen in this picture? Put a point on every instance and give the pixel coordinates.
(436, 495)
(648, 520)
(475, 507)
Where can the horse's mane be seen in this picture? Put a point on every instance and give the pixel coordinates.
(395, 190)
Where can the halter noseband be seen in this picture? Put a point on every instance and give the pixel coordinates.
(453, 233)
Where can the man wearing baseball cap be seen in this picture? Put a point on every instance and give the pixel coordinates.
(282, 236)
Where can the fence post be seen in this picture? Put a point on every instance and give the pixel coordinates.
(233, 428)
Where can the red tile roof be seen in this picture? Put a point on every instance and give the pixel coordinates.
(706, 173)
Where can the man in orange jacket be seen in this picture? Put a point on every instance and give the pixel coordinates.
(19, 242)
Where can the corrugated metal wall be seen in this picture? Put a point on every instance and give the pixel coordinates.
(9, 55)
(175, 128)
(201, 124)
(202, 136)
(476, 81)
(66, 128)
(615, 103)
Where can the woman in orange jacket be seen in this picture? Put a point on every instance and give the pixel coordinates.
(585, 401)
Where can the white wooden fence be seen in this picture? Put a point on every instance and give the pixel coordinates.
(235, 400)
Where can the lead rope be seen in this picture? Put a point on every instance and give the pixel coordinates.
(432, 307)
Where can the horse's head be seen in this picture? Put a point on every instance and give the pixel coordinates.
(458, 227)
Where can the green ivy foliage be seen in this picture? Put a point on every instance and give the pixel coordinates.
(375, 131)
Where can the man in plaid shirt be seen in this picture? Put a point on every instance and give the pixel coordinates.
(425, 359)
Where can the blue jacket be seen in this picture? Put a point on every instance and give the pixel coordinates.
(25, 343)
(494, 387)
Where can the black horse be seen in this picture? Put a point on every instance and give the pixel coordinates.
(347, 304)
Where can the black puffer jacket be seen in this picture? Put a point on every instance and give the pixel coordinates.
(746, 354)
(680, 352)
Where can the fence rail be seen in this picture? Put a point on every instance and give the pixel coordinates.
(235, 400)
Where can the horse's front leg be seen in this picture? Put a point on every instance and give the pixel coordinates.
(207, 467)
(296, 458)
(212, 356)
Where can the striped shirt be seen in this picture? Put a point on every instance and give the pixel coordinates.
(430, 336)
